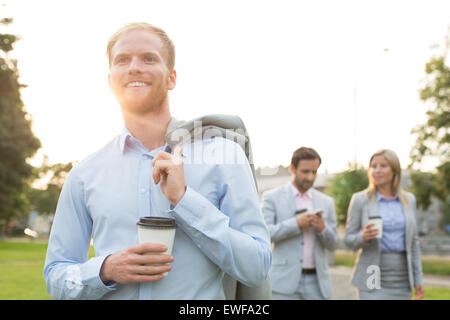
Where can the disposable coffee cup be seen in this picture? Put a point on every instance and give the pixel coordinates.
(377, 224)
(157, 230)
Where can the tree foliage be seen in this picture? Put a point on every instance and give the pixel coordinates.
(17, 141)
(44, 198)
(422, 186)
(433, 137)
(343, 185)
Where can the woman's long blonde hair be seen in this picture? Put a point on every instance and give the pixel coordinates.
(394, 163)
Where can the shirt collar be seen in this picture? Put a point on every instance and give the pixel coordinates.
(123, 137)
(126, 136)
(381, 197)
(297, 193)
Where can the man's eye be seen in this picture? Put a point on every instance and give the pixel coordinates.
(121, 60)
(148, 59)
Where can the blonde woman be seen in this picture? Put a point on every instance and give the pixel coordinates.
(389, 265)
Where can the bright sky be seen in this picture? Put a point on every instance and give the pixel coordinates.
(290, 69)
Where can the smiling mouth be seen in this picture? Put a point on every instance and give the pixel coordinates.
(135, 84)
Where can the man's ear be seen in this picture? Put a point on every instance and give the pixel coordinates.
(292, 169)
(172, 79)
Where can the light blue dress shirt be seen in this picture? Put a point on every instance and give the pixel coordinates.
(220, 227)
(394, 224)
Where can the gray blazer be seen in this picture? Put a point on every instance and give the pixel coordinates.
(279, 213)
(359, 211)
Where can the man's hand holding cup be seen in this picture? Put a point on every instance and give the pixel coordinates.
(133, 265)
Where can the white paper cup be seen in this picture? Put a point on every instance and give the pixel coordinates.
(377, 224)
(157, 230)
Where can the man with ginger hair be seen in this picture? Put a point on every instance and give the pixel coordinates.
(219, 225)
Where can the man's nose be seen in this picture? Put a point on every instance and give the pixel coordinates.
(134, 66)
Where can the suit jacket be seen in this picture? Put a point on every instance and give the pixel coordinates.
(287, 256)
(359, 211)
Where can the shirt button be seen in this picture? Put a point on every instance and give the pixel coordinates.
(143, 190)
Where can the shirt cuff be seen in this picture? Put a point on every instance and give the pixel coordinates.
(91, 275)
(190, 213)
(190, 202)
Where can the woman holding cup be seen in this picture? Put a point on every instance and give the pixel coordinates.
(381, 224)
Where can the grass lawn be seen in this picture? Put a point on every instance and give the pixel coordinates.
(22, 265)
(437, 294)
(22, 271)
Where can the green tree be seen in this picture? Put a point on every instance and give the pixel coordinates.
(422, 186)
(17, 141)
(343, 185)
(433, 137)
(45, 186)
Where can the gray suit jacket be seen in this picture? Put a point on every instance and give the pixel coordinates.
(359, 211)
(279, 213)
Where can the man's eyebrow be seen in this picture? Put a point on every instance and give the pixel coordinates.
(119, 55)
(149, 53)
(146, 53)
